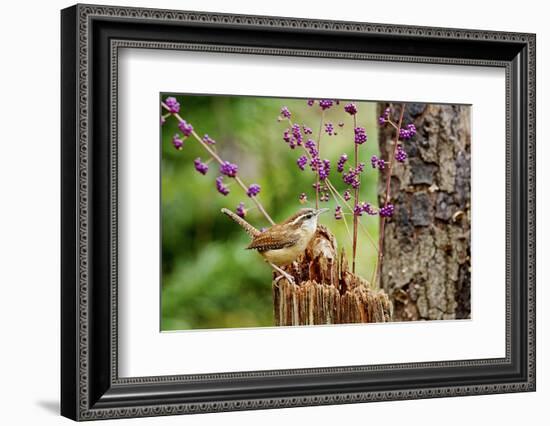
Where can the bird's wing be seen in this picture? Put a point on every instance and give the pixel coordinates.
(273, 241)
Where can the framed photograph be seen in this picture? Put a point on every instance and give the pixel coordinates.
(263, 212)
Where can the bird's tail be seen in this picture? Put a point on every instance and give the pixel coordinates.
(250, 230)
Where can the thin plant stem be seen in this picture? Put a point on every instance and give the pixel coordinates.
(332, 190)
(367, 233)
(356, 196)
(219, 160)
(388, 195)
(319, 154)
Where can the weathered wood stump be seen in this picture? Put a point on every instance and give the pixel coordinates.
(326, 292)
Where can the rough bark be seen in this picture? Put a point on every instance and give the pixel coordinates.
(326, 292)
(426, 266)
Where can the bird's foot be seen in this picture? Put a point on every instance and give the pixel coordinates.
(283, 273)
(288, 277)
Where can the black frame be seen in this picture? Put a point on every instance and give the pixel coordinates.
(91, 37)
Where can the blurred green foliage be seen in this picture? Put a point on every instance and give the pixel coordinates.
(209, 280)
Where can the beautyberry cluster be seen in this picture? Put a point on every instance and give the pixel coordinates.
(253, 190)
(408, 132)
(285, 112)
(172, 104)
(387, 210)
(200, 167)
(185, 128)
(377, 163)
(329, 128)
(400, 154)
(326, 103)
(301, 162)
(324, 169)
(341, 161)
(293, 136)
(177, 142)
(221, 187)
(368, 209)
(360, 135)
(352, 177)
(351, 109)
(240, 210)
(229, 169)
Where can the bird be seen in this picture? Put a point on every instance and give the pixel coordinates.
(284, 242)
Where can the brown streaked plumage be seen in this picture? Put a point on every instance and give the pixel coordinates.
(282, 243)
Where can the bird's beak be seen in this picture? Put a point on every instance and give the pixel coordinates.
(322, 211)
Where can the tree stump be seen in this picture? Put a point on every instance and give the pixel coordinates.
(426, 263)
(325, 291)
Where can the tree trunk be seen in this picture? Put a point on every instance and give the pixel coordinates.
(426, 253)
(326, 292)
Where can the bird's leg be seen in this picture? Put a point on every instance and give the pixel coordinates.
(284, 274)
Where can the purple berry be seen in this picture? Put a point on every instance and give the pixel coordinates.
(324, 169)
(387, 210)
(351, 109)
(302, 161)
(341, 161)
(240, 210)
(222, 189)
(172, 104)
(285, 112)
(338, 213)
(360, 135)
(200, 167)
(286, 136)
(185, 128)
(297, 134)
(177, 142)
(253, 190)
(408, 132)
(326, 103)
(367, 208)
(400, 154)
(229, 169)
(351, 178)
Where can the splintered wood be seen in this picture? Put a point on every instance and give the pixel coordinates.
(326, 292)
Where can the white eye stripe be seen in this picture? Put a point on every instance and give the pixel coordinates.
(299, 218)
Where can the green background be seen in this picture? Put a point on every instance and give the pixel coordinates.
(209, 280)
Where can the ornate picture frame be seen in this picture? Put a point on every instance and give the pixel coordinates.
(91, 37)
